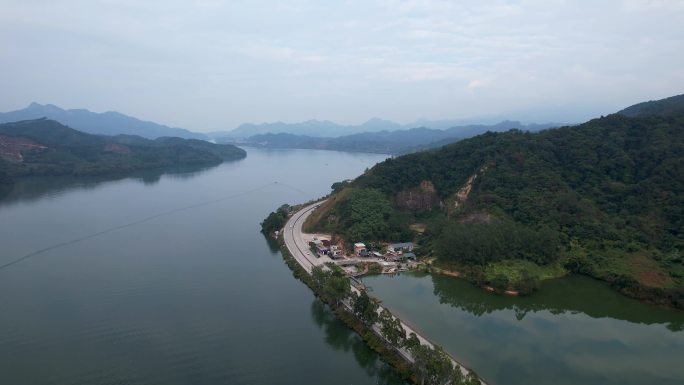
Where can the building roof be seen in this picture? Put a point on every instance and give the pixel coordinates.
(359, 245)
(409, 255)
(401, 245)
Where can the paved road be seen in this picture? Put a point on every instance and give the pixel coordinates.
(294, 240)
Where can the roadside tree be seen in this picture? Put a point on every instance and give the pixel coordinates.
(365, 309)
(391, 329)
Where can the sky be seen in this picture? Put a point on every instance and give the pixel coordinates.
(211, 65)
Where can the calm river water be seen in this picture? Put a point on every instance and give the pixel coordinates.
(165, 279)
(181, 288)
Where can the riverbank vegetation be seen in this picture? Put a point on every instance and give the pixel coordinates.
(507, 210)
(381, 331)
(275, 220)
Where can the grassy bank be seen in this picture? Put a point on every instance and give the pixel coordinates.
(636, 276)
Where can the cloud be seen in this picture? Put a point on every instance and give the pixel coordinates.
(182, 63)
(474, 84)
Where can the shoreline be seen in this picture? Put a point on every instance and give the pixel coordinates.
(302, 272)
(391, 357)
(456, 274)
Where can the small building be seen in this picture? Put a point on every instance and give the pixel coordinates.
(322, 250)
(400, 247)
(410, 256)
(377, 254)
(358, 248)
(335, 252)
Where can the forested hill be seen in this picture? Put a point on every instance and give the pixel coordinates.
(386, 142)
(46, 147)
(605, 198)
(672, 106)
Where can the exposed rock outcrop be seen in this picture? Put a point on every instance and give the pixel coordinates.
(461, 196)
(117, 148)
(12, 147)
(421, 198)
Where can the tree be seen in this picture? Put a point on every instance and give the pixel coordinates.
(391, 329)
(433, 366)
(331, 283)
(338, 186)
(365, 308)
(471, 379)
(319, 277)
(338, 288)
(457, 377)
(500, 282)
(528, 283)
(412, 342)
(275, 220)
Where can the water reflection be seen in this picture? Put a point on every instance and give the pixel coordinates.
(272, 243)
(30, 189)
(569, 295)
(574, 331)
(340, 337)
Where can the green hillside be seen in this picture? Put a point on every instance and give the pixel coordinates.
(46, 147)
(672, 106)
(605, 198)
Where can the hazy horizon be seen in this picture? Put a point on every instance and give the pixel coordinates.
(209, 66)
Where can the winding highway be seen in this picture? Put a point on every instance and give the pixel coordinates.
(294, 239)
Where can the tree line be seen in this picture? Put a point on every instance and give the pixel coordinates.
(431, 364)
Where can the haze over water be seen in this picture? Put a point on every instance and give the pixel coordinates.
(191, 297)
(165, 279)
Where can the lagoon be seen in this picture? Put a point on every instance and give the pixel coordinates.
(575, 330)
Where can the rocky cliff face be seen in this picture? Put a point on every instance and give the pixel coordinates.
(421, 198)
(11, 148)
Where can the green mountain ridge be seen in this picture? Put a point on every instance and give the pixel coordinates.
(672, 106)
(46, 147)
(385, 142)
(604, 198)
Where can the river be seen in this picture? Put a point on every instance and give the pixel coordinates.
(164, 278)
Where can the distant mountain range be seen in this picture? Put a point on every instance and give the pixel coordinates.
(328, 129)
(313, 128)
(384, 142)
(105, 123)
(375, 135)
